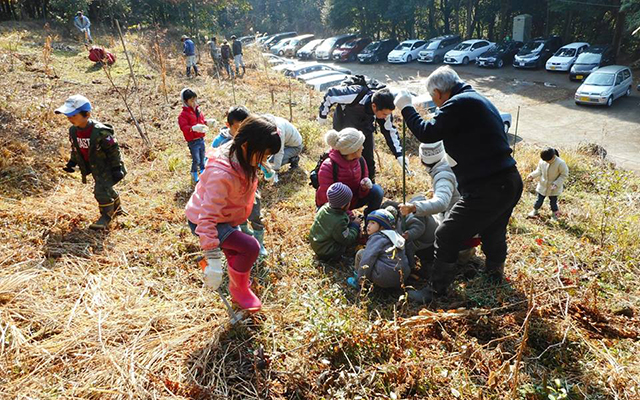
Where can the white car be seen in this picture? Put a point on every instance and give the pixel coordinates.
(317, 74)
(275, 60)
(295, 70)
(467, 51)
(406, 51)
(323, 83)
(284, 66)
(565, 57)
(425, 103)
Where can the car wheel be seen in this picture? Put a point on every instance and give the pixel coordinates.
(352, 58)
(610, 101)
(628, 92)
(376, 59)
(281, 53)
(409, 59)
(506, 127)
(500, 63)
(465, 61)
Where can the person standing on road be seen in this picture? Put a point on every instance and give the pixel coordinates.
(189, 51)
(237, 55)
(84, 25)
(471, 129)
(360, 107)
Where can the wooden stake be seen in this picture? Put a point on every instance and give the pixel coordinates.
(515, 137)
(290, 105)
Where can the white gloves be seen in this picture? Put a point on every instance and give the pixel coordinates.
(202, 128)
(211, 121)
(403, 99)
(402, 161)
(322, 121)
(366, 184)
(213, 270)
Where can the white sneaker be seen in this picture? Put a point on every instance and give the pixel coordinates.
(533, 214)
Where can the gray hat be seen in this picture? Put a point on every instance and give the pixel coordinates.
(431, 153)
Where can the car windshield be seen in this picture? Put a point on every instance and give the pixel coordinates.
(327, 44)
(564, 52)
(501, 47)
(589, 58)
(350, 45)
(463, 46)
(312, 45)
(600, 79)
(433, 45)
(372, 47)
(403, 46)
(532, 47)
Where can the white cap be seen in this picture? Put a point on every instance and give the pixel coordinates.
(431, 153)
(73, 105)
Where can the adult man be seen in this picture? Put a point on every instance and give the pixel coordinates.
(214, 51)
(189, 51)
(360, 107)
(471, 129)
(225, 56)
(83, 24)
(236, 46)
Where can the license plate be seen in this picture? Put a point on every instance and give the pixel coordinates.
(552, 68)
(584, 98)
(480, 63)
(522, 63)
(579, 76)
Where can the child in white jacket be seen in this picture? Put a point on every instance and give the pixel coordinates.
(552, 171)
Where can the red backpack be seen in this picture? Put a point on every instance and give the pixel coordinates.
(99, 54)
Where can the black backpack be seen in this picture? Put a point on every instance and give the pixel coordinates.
(313, 176)
(368, 85)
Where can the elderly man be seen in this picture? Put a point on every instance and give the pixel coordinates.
(471, 129)
(84, 25)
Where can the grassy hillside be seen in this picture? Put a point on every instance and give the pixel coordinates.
(124, 314)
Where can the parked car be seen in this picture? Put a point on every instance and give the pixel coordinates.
(308, 51)
(566, 56)
(467, 51)
(325, 50)
(436, 49)
(247, 40)
(534, 54)
(605, 85)
(276, 38)
(317, 74)
(278, 48)
(275, 60)
(296, 44)
(406, 51)
(590, 60)
(325, 82)
(350, 50)
(295, 70)
(262, 39)
(499, 55)
(425, 102)
(377, 51)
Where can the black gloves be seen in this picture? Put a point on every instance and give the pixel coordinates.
(117, 174)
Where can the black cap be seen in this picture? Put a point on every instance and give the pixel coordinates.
(233, 36)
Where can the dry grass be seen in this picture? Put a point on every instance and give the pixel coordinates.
(124, 314)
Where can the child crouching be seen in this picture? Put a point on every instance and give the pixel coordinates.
(332, 233)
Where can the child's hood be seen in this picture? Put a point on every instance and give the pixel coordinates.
(397, 240)
(219, 157)
(226, 132)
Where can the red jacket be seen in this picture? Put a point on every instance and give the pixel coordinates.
(187, 120)
(349, 173)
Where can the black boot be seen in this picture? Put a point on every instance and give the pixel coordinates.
(117, 207)
(106, 215)
(494, 270)
(188, 72)
(442, 276)
(293, 161)
(195, 70)
(244, 70)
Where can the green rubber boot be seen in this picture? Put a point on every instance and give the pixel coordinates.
(259, 235)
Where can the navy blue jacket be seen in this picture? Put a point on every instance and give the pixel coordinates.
(472, 131)
(189, 49)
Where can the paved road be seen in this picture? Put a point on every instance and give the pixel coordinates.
(548, 114)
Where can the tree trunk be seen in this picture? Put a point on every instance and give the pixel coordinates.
(619, 29)
(446, 13)
(505, 19)
(469, 28)
(432, 11)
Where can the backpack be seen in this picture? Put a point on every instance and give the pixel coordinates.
(98, 54)
(368, 85)
(313, 176)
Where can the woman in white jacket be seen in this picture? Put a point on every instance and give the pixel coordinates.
(552, 171)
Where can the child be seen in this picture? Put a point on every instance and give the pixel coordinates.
(345, 164)
(552, 171)
(332, 233)
(223, 199)
(383, 261)
(291, 145)
(194, 127)
(235, 116)
(94, 149)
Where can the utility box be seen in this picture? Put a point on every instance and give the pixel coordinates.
(522, 28)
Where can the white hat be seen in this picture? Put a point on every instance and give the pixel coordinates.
(431, 153)
(347, 141)
(73, 105)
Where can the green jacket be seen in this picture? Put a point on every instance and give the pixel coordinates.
(332, 233)
(104, 152)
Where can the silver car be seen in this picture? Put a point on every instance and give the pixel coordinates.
(605, 85)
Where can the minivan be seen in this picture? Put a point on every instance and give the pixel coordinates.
(436, 49)
(325, 50)
(590, 60)
(605, 85)
(377, 51)
(278, 37)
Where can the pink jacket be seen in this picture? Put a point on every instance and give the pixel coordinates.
(221, 196)
(349, 173)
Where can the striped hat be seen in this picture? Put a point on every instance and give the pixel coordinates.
(339, 195)
(382, 217)
(431, 153)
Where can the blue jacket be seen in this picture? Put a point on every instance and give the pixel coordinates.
(189, 48)
(223, 137)
(81, 23)
(472, 131)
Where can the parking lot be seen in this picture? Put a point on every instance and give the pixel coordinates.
(548, 114)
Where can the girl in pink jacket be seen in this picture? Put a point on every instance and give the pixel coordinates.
(223, 199)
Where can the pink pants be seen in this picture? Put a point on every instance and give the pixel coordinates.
(241, 251)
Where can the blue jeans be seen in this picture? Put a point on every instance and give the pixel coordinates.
(373, 200)
(553, 200)
(196, 147)
(224, 230)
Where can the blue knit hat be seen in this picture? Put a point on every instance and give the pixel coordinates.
(382, 217)
(339, 195)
